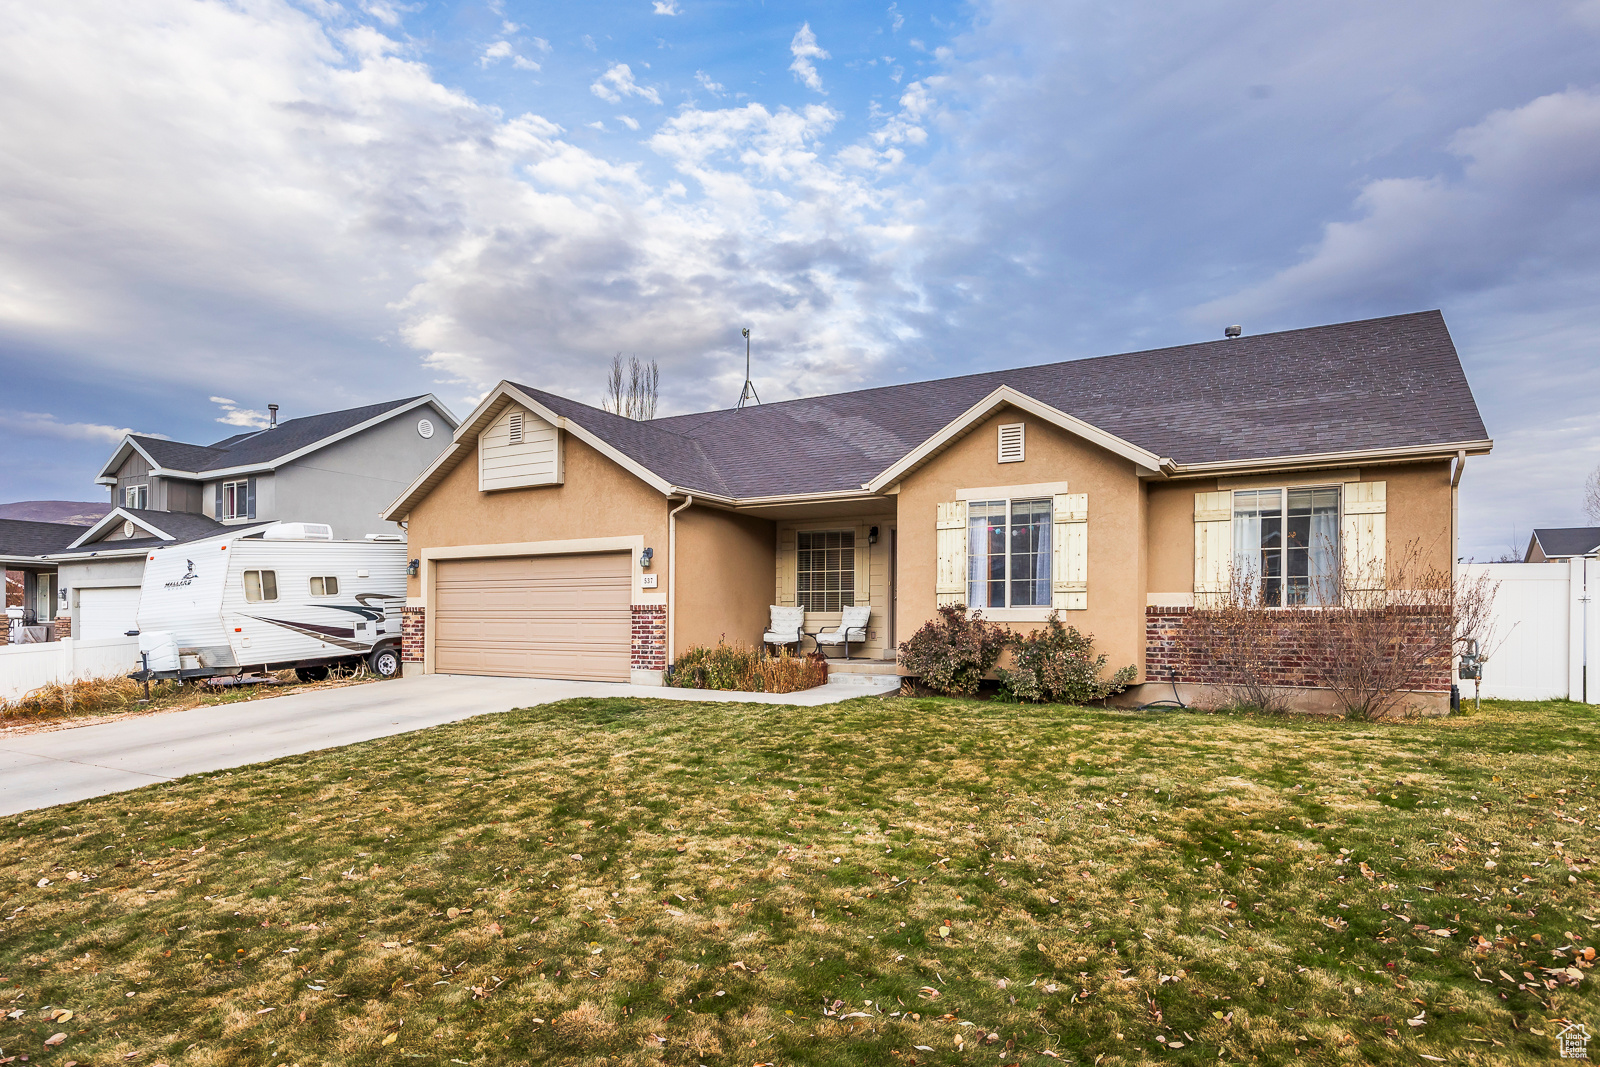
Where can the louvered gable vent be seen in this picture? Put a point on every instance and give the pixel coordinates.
(1011, 442)
(514, 427)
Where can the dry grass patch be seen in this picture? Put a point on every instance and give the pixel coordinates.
(885, 881)
(120, 695)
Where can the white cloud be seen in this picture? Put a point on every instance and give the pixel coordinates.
(495, 52)
(717, 88)
(42, 424)
(628, 121)
(524, 63)
(508, 28)
(804, 47)
(234, 415)
(668, 7)
(618, 82)
(896, 18)
(596, 125)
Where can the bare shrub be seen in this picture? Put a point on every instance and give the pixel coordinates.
(1390, 630)
(1236, 641)
(90, 696)
(736, 667)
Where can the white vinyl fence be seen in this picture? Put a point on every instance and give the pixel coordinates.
(24, 668)
(1545, 640)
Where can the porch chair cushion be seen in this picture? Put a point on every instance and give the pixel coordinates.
(784, 626)
(852, 626)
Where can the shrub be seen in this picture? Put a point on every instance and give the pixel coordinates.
(735, 667)
(952, 653)
(1058, 664)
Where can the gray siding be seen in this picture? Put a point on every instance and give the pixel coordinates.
(183, 496)
(349, 484)
(134, 470)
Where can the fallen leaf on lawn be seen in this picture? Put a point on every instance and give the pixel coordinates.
(944, 931)
(55, 1039)
(62, 1016)
(391, 944)
(390, 1039)
(452, 912)
(1419, 1020)
(927, 992)
(263, 1011)
(495, 929)
(923, 1048)
(43, 882)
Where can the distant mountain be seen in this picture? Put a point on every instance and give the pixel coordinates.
(73, 512)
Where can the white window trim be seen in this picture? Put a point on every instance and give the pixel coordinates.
(1338, 525)
(1026, 609)
(241, 494)
(1012, 492)
(129, 489)
(258, 571)
(857, 540)
(325, 578)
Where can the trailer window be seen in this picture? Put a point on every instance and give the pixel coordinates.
(328, 586)
(260, 585)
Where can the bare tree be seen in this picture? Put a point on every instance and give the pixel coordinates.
(1591, 496)
(1235, 641)
(632, 391)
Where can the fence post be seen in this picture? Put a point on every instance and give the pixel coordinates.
(67, 665)
(1590, 599)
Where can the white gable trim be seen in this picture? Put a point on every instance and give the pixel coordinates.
(112, 518)
(107, 475)
(1148, 462)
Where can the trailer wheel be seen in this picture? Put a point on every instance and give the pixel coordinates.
(318, 673)
(385, 662)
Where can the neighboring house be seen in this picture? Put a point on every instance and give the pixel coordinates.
(1562, 543)
(341, 468)
(23, 546)
(550, 535)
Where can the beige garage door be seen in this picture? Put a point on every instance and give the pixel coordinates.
(534, 617)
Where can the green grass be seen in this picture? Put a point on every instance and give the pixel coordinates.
(887, 881)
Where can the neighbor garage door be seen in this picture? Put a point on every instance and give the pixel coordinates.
(106, 612)
(534, 617)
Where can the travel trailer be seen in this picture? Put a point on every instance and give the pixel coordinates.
(271, 598)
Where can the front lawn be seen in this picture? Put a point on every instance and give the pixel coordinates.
(886, 881)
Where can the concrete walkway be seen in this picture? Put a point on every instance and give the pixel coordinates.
(60, 766)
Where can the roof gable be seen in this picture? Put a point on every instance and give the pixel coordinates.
(1566, 541)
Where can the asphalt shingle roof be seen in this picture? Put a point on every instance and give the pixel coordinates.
(1380, 383)
(262, 446)
(1569, 540)
(20, 538)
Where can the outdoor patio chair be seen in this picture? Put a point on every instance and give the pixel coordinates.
(852, 627)
(785, 627)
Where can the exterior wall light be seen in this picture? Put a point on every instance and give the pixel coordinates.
(414, 568)
(872, 536)
(645, 558)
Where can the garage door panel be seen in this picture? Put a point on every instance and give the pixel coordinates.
(107, 612)
(540, 617)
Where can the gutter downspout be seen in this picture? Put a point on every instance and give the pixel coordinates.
(1455, 510)
(672, 576)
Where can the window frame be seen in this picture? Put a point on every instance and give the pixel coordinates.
(325, 579)
(802, 596)
(1282, 599)
(261, 585)
(1047, 550)
(143, 489)
(236, 503)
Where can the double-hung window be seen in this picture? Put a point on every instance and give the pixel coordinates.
(825, 569)
(1287, 540)
(1008, 553)
(235, 500)
(136, 496)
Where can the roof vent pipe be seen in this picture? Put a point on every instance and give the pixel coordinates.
(1233, 331)
(272, 417)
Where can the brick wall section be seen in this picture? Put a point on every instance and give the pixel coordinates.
(649, 637)
(63, 626)
(1165, 650)
(413, 630)
(5, 631)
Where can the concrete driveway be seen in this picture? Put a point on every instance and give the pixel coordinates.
(56, 767)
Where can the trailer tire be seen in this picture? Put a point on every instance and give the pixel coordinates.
(385, 662)
(317, 673)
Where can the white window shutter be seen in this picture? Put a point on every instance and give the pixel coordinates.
(1012, 436)
(1364, 529)
(951, 579)
(1069, 587)
(1213, 547)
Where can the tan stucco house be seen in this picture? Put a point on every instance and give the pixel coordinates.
(552, 539)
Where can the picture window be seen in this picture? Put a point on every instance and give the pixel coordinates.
(1288, 541)
(1009, 553)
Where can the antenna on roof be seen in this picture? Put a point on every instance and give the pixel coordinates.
(748, 393)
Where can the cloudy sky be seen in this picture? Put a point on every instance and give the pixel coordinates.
(208, 206)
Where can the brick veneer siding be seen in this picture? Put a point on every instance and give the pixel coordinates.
(63, 626)
(1166, 650)
(649, 637)
(413, 631)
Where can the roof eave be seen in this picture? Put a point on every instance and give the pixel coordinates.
(1312, 460)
